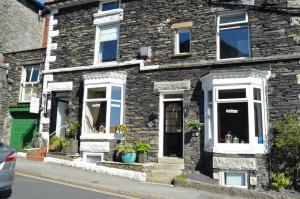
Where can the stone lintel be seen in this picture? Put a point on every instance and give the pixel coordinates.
(182, 25)
(174, 85)
(234, 163)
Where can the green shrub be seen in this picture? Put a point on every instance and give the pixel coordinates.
(125, 148)
(182, 176)
(73, 128)
(143, 147)
(56, 142)
(279, 181)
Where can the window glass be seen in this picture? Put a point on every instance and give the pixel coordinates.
(232, 18)
(233, 124)
(258, 122)
(257, 94)
(209, 96)
(35, 74)
(236, 179)
(116, 93)
(96, 93)
(110, 6)
(234, 43)
(184, 41)
(115, 116)
(108, 43)
(233, 93)
(28, 74)
(93, 158)
(95, 117)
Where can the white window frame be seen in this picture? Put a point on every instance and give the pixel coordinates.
(233, 25)
(108, 1)
(107, 134)
(211, 132)
(23, 82)
(86, 154)
(177, 42)
(222, 178)
(97, 57)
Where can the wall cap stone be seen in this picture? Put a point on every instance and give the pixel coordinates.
(234, 163)
(174, 85)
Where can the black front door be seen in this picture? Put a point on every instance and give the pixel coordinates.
(173, 129)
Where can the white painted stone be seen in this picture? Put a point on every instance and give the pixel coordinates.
(45, 120)
(141, 176)
(175, 85)
(48, 77)
(94, 146)
(293, 3)
(234, 163)
(53, 33)
(108, 17)
(295, 21)
(298, 79)
(60, 86)
(149, 67)
(253, 181)
(21, 155)
(216, 175)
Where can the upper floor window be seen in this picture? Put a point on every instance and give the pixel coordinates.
(233, 40)
(107, 45)
(29, 83)
(183, 41)
(110, 5)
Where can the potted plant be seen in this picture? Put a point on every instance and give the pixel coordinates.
(125, 149)
(194, 124)
(36, 141)
(57, 143)
(72, 138)
(142, 148)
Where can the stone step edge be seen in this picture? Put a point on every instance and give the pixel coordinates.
(244, 193)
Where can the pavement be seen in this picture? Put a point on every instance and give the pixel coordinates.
(108, 183)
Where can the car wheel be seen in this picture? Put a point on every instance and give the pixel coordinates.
(5, 194)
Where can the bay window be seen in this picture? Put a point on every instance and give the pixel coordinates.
(235, 111)
(103, 108)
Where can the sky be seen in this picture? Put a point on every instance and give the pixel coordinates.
(42, 1)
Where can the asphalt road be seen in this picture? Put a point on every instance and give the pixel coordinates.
(32, 188)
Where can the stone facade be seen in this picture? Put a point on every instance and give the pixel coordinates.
(149, 23)
(11, 78)
(21, 25)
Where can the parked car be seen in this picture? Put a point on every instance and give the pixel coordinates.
(7, 168)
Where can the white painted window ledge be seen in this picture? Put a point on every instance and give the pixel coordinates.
(101, 136)
(109, 12)
(238, 149)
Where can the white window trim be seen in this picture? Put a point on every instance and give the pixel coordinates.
(96, 84)
(233, 25)
(97, 56)
(85, 154)
(222, 178)
(23, 82)
(177, 43)
(108, 1)
(244, 82)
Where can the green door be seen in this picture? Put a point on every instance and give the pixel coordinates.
(24, 127)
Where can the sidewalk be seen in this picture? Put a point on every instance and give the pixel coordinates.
(109, 183)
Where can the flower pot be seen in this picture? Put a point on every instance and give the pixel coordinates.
(142, 157)
(129, 157)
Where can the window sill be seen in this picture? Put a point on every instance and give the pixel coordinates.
(231, 59)
(238, 148)
(182, 55)
(101, 136)
(109, 12)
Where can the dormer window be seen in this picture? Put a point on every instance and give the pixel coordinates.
(110, 5)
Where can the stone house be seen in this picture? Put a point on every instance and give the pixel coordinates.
(153, 65)
(21, 41)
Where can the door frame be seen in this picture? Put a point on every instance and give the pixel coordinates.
(162, 100)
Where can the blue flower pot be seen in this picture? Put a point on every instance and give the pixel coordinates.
(128, 157)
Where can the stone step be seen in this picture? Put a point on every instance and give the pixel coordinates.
(164, 173)
(170, 160)
(168, 167)
(35, 158)
(168, 180)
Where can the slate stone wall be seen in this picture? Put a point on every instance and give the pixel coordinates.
(16, 61)
(21, 27)
(148, 23)
(3, 98)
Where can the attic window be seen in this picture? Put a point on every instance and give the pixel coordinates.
(111, 5)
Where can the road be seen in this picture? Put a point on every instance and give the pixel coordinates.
(35, 188)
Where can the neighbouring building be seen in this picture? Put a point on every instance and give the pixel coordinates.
(22, 36)
(152, 65)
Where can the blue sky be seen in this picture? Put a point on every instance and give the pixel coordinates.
(42, 1)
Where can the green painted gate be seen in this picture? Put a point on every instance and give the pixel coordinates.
(24, 127)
